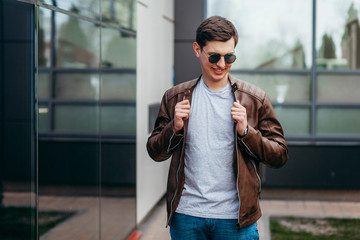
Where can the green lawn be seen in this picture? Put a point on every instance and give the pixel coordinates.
(18, 223)
(314, 229)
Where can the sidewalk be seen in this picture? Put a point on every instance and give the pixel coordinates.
(296, 203)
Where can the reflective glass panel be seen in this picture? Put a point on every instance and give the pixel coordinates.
(272, 34)
(281, 87)
(43, 117)
(121, 13)
(69, 155)
(338, 121)
(118, 86)
(43, 85)
(119, 50)
(76, 118)
(44, 38)
(338, 34)
(77, 43)
(77, 86)
(17, 121)
(87, 8)
(338, 88)
(295, 121)
(118, 119)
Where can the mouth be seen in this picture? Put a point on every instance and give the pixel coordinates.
(218, 71)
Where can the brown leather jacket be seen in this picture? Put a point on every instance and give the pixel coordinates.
(264, 143)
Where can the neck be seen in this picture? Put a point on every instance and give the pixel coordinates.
(216, 85)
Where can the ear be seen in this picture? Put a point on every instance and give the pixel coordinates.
(197, 49)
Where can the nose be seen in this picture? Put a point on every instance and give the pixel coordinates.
(221, 62)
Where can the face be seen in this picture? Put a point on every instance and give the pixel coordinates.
(215, 72)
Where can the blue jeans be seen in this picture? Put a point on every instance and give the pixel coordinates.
(185, 227)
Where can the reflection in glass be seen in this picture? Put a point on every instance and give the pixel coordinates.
(43, 117)
(76, 118)
(281, 87)
(77, 86)
(272, 34)
(77, 42)
(118, 50)
(87, 8)
(338, 121)
(338, 40)
(118, 119)
(295, 121)
(118, 86)
(43, 85)
(17, 121)
(338, 88)
(121, 13)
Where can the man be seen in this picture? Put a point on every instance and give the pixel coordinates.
(217, 129)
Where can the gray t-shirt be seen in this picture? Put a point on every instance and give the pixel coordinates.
(210, 183)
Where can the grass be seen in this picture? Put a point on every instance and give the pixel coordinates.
(18, 223)
(314, 229)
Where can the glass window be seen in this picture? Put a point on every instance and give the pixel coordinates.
(281, 87)
(295, 121)
(338, 88)
(76, 118)
(338, 121)
(118, 86)
(338, 40)
(272, 34)
(44, 37)
(43, 85)
(77, 86)
(119, 51)
(121, 13)
(77, 43)
(118, 119)
(43, 117)
(87, 8)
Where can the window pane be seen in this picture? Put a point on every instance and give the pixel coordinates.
(294, 120)
(118, 119)
(122, 13)
(43, 85)
(87, 8)
(118, 50)
(272, 34)
(339, 121)
(118, 86)
(77, 43)
(338, 88)
(281, 87)
(338, 40)
(70, 118)
(77, 86)
(43, 117)
(44, 37)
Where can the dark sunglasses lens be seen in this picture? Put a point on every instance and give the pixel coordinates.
(214, 58)
(230, 58)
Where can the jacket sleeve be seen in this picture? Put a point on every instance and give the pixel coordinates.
(267, 143)
(163, 140)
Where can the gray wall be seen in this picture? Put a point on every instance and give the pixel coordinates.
(188, 16)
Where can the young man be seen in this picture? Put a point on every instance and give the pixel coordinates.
(218, 130)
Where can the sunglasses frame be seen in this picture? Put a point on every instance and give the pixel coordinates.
(215, 57)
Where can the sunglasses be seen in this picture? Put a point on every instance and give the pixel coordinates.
(215, 57)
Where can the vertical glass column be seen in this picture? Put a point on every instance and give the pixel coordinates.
(69, 121)
(17, 121)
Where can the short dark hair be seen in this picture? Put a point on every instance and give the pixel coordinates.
(215, 28)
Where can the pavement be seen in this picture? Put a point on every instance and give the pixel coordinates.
(307, 203)
(116, 220)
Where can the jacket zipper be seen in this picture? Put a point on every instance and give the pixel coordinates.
(172, 200)
(238, 170)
